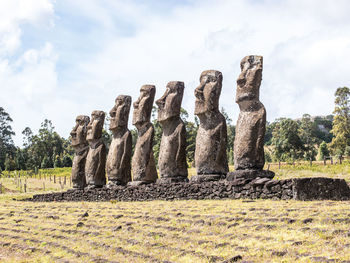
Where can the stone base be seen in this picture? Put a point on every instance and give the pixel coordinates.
(169, 180)
(249, 174)
(112, 184)
(320, 189)
(92, 187)
(137, 183)
(199, 178)
(76, 187)
(263, 188)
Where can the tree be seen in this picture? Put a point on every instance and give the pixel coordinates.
(286, 141)
(341, 121)
(21, 159)
(47, 162)
(58, 162)
(307, 130)
(324, 125)
(157, 134)
(323, 151)
(7, 147)
(191, 134)
(10, 163)
(66, 161)
(47, 143)
(231, 132)
(268, 132)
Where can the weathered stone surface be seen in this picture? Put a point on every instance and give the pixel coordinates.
(250, 129)
(143, 164)
(249, 174)
(172, 155)
(81, 148)
(320, 188)
(199, 178)
(273, 189)
(96, 158)
(118, 165)
(211, 140)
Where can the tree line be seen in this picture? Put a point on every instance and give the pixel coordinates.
(307, 138)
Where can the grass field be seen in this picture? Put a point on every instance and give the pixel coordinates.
(180, 231)
(177, 231)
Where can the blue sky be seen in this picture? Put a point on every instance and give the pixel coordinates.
(60, 59)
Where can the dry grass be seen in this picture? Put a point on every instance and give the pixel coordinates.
(180, 231)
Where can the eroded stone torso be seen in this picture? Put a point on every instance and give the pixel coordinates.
(143, 164)
(172, 155)
(118, 165)
(249, 140)
(95, 165)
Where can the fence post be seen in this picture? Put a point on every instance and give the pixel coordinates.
(324, 161)
(279, 165)
(310, 161)
(65, 180)
(340, 159)
(44, 186)
(331, 160)
(54, 178)
(25, 187)
(268, 167)
(0, 188)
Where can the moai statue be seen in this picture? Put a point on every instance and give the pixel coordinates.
(210, 154)
(143, 165)
(118, 164)
(96, 158)
(250, 129)
(172, 156)
(81, 148)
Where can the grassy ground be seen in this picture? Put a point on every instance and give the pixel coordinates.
(303, 169)
(178, 231)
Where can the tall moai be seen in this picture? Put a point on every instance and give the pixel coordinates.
(249, 157)
(172, 155)
(210, 154)
(143, 165)
(118, 165)
(81, 148)
(96, 158)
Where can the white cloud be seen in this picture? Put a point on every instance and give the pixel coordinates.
(305, 44)
(27, 76)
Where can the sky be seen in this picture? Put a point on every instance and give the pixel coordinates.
(63, 58)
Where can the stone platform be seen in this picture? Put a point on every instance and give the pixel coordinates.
(319, 188)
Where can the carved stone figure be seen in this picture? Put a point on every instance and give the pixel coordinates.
(143, 164)
(210, 154)
(172, 155)
(250, 130)
(96, 158)
(118, 164)
(81, 149)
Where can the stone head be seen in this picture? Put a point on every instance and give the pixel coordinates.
(169, 105)
(120, 112)
(94, 129)
(248, 82)
(79, 131)
(208, 92)
(143, 105)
